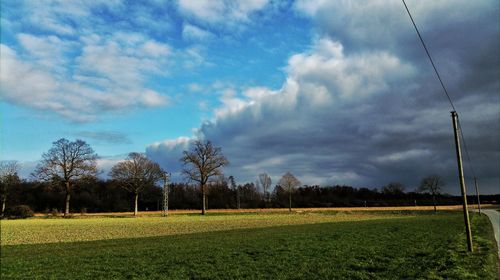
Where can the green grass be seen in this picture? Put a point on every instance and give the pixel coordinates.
(309, 246)
(33, 231)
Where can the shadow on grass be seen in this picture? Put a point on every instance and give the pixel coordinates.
(426, 246)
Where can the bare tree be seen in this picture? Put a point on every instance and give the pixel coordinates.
(265, 182)
(135, 173)
(67, 162)
(433, 184)
(8, 179)
(289, 182)
(394, 188)
(202, 162)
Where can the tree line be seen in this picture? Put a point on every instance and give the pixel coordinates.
(66, 181)
(98, 195)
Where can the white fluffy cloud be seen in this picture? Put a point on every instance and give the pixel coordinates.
(193, 33)
(81, 59)
(108, 74)
(221, 11)
(58, 16)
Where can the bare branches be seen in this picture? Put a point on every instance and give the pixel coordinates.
(432, 183)
(203, 161)
(8, 180)
(8, 177)
(394, 188)
(67, 160)
(289, 182)
(265, 182)
(136, 172)
(8, 167)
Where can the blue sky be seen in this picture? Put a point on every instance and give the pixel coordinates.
(312, 87)
(198, 67)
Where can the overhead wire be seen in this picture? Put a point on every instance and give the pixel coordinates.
(430, 58)
(443, 86)
(466, 150)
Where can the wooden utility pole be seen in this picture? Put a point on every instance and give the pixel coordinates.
(477, 194)
(454, 117)
(165, 194)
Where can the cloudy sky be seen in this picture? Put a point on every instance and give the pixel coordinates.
(337, 92)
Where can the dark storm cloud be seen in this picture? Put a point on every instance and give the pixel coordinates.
(168, 154)
(363, 106)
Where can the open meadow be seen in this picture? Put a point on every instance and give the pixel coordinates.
(300, 245)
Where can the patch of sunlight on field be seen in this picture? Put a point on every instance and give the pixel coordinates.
(36, 231)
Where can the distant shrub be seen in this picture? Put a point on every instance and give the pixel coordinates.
(19, 212)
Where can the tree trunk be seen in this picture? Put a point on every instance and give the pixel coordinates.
(290, 201)
(4, 199)
(68, 196)
(203, 199)
(434, 202)
(136, 203)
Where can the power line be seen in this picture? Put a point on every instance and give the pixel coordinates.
(466, 150)
(444, 88)
(429, 56)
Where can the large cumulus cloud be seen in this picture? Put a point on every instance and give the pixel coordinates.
(362, 105)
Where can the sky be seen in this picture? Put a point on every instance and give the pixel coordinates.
(336, 92)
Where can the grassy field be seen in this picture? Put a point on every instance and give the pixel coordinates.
(310, 245)
(278, 210)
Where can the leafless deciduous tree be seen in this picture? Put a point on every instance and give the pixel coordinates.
(8, 179)
(289, 182)
(394, 188)
(135, 173)
(265, 182)
(202, 162)
(432, 184)
(67, 162)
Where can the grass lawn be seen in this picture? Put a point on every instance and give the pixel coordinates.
(267, 246)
